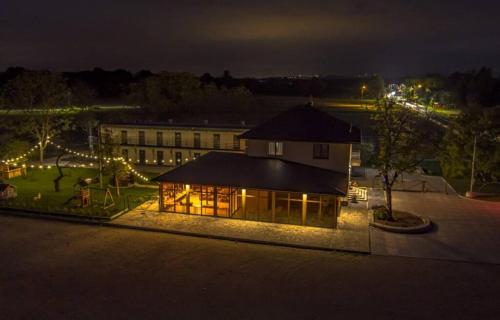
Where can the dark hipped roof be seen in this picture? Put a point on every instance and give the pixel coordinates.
(305, 123)
(242, 171)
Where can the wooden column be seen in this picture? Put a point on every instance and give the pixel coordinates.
(244, 202)
(273, 206)
(188, 200)
(161, 197)
(304, 208)
(258, 204)
(288, 208)
(320, 213)
(215, 201)
(336, 203)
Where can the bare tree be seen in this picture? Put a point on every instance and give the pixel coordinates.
(39, 92)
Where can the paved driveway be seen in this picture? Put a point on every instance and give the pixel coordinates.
(466, 230)
(53, 270)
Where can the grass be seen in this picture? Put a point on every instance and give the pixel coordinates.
(462, 185)
(448, 113)
(41, 182)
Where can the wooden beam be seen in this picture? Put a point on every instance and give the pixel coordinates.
(288, 208)
(273, 206)
(304, 208)
(160, 204)
(320, 213)
(244, 202)
(188, 200)
(215, 202)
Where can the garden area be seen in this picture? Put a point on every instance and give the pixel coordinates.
(36, 193)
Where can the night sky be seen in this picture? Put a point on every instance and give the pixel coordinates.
(252, 37)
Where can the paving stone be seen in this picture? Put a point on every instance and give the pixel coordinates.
(352, 233)
(466, 230)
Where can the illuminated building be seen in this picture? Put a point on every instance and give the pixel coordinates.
(295, 170)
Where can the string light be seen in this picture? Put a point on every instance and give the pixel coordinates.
(14, 160)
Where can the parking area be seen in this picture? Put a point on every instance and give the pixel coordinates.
(464, 229)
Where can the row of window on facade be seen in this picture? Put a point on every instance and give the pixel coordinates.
(320, 150)
(178, 140)
(160, 159)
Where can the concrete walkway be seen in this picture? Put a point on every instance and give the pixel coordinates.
(465, 230)
(351, 235)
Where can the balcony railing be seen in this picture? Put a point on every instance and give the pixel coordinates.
(133, 141)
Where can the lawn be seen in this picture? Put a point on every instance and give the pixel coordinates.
(41, 182)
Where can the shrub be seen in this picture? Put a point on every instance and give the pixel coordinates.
(380, 213)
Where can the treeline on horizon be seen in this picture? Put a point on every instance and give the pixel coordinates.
(168, 91)
(463, 90)
(120, 86)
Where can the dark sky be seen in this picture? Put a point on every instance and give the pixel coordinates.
(252, 37)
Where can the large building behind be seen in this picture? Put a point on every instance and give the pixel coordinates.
(173, 144)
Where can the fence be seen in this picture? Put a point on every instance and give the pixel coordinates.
(417, 183)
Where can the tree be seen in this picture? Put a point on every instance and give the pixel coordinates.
(11, 147)
(403, 141)
(117, 169)
(458, 143)
(82, 94)
(87, 122)
(39, 92)
(167, 92)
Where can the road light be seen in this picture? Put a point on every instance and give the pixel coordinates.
(363, 88)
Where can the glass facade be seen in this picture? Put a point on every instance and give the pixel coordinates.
(252, 204)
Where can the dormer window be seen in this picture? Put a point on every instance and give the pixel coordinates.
(321, 151)
(275, 148)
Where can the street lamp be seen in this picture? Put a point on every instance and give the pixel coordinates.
(363, 88)
(473, 165)
(472, 180)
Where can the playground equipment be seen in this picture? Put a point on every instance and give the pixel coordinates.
(7, 172)
(81, 195)
(108, 198)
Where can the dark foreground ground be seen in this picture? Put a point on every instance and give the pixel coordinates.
(55, 270)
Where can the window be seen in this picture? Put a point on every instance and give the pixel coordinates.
(236, 142)
(142, 156)
(159, 138)
(142, 138)
(178, 158)
(275, 148)
(321, 151)
(125, 154)
(159, 158)
(124, 138)
(216, 141)
(196, 143)
(178, 139)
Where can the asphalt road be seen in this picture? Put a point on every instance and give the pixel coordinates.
(56, 270)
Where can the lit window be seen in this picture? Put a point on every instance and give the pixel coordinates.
(275, 148)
